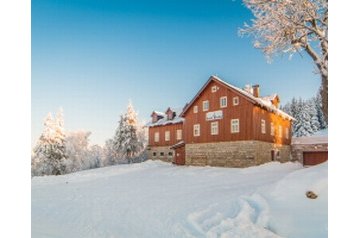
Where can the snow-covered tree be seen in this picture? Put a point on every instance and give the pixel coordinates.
(320, 116)
(127, 141)
(312, 110)
(77, 151)
(49, 153)
(290, 26)
(303, 126)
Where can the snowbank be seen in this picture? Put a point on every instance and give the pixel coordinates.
(156, 199)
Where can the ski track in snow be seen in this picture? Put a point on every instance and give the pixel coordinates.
(156, 199)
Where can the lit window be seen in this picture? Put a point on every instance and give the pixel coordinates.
(223, 101)
(156, 137)
(167, 135)
(197, 130)
(235, 126)
(215, 128)
(280, 131)
(195, 109)
(235, 101)
(263, 126)
(205, 105)
(272, 129)
(179, 134)
(214, 89)
(287, 133)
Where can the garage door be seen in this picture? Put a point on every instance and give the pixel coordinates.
(313, 158)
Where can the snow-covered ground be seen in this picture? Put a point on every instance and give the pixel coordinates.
(156, 199)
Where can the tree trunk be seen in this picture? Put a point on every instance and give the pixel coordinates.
(324, 95)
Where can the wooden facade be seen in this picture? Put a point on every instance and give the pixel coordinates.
(221, 113)
(249, 116)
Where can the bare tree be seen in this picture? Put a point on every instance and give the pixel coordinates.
(290, 26)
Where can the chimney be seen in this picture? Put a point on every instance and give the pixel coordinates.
(256, 90)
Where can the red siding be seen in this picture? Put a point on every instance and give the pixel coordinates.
(161, 129)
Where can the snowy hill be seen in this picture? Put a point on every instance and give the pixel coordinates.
(156, 199)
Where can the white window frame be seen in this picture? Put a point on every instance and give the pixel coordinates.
(206, 102)
(280, 131)
(214, 89)
(272, 130)
(263, 126)
(235, 125)
(156, 136)
(196, 128)
(167, 136)
(286, 132)
(222, 100)
(195, 109)
(214, 128)
(179, 134)
(235, 101)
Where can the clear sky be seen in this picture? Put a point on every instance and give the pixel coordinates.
(91, 56)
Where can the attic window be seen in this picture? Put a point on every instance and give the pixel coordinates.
(235, 101)
(214, 89)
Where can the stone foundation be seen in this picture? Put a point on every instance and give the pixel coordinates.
(235, 153)
(161, 153)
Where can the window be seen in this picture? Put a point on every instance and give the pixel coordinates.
(205, 105)
(214, 89)
(235, 125)
(263, 126)
(170, 154)
(156, 137)
(215, 128)
(280, 131)
(223, 101)
(179, 134)
(161, 154)
(167, 135)
(197, 130)
(272, 129)
(154, 154)
(235, 101)
(195, 109)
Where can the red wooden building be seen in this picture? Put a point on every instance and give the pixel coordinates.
(222, 125)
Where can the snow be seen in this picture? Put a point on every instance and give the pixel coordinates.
(319, 137)
(157, 199)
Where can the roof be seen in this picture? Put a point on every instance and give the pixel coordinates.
(178, 145)
(159, 113)
(264, 102)
(319, 137)
(164, 121)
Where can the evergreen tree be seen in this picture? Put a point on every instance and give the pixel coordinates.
(312, 110)
(126, 140)
(303, 125)
(50, 149)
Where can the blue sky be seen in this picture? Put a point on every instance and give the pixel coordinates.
(90, 57)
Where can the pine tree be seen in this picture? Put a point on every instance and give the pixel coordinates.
(312, 110)
(303, 125)
(50, 149)
(126, 141)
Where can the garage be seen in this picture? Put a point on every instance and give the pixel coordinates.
(314, 157)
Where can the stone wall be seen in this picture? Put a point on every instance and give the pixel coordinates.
(298, 149)
(234, 153)
(160, 153)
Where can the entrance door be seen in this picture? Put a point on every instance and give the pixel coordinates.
(180, 155)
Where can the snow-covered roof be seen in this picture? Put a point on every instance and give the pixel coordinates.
(164, 121)
(159, 113)
(320, 137)
(264, 102)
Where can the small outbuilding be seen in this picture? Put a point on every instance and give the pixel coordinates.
(311, 150)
